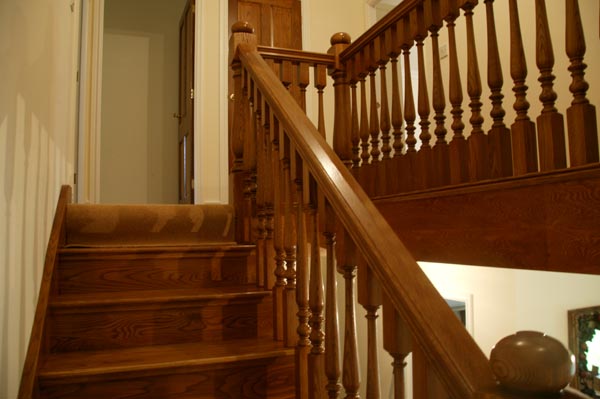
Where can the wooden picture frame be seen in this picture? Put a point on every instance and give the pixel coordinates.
(583, 324)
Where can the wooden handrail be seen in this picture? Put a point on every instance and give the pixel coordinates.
(458, 360)
(28, 387)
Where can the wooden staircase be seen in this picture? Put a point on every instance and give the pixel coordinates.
(139, 317)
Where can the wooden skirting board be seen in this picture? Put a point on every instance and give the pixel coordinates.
(547, 222)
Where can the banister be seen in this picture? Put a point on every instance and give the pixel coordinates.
(458, 360)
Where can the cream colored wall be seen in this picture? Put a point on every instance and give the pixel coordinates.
(139, 144)
(37, 153)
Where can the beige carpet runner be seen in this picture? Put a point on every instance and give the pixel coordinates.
(140, 225)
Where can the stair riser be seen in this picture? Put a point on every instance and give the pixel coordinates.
(79, 275)
(258, 379)
(98, 328)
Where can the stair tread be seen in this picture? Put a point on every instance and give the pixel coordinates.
(157, 296)
(153, 248)
(159, 357)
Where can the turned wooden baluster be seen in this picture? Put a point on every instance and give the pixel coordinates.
(581, 115)
(364, 117)
(269, 201)
(354, 126)
(523, 129)
(426, 383)
(303, 73)
(317, 380)
(441, 160)
(550, 124)
(478, 144)
(398, 178)
(384, 120)
(374, 50)
(320, 84)
(250, 167)
(459, 156)
(236, 142)
(302, 276)
(289, 243)
(424, 157)
(278, 232)
(261, 231)
(500, 151)
(286, 70)
(397, 341)
(332, 334)
(409, 107)
(347, 257)
(369, 296)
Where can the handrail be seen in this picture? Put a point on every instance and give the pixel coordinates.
(459, 363)
(28, 387)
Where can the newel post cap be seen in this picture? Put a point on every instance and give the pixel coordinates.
(241, 33)
(532, 362)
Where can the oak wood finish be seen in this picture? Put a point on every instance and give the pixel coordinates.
(546, 222)
(37, 347)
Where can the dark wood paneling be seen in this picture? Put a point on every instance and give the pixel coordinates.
(550, 222)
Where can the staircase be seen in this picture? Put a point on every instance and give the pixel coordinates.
(159, 302)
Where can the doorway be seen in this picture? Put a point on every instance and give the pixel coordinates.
(139, 125)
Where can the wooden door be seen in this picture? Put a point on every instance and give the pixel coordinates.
(277, 23)
(186, 104)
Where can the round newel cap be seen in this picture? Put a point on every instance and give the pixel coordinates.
(532, 362)
(340, 38)
(242, 27)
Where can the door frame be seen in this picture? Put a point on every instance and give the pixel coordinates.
(89, 115)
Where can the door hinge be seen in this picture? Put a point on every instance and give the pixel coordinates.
(191, 94)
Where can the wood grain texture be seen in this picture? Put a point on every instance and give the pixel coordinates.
(175, 371)
(541, 223)
(157, 318)
(101, 270)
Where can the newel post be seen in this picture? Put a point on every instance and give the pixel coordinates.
(342, 140)
(239, 128)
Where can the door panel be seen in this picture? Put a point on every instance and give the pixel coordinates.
(186, 104)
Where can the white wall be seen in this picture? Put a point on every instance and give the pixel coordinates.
(139, 150)
(37, 153)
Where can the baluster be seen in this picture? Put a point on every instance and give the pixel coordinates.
(350, 375)
(285, 74)
(289, 243)
(440, 155)
(364, 117)
(303, 82)
(332, 346)
(250, 167)
(478, 145)
(316, 358)
(581, 115)
(354, 126)
(320, 84)
(550, 124)
(302, 276)
(373, 114)
(459, 161)
(383, 59)
(523, 129)
(397, 341)
(500, 151)
(395, 169)
(278, 232)
(261, 231)
(419, 32)
(236, 141)
(369, 296)
(269, 201)
(409, 107)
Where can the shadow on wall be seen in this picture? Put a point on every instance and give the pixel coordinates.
(35, 157)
